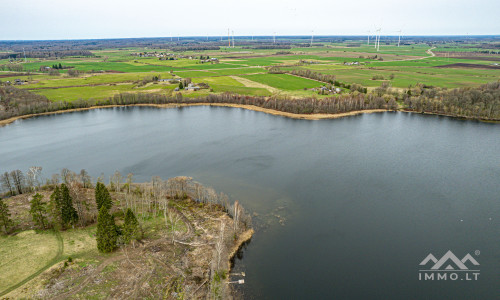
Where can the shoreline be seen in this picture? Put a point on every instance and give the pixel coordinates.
(319, 116)
(242, 239)
(176, 105)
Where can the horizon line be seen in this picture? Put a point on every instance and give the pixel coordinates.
(218, 36)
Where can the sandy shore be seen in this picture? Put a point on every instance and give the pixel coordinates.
(173, 105)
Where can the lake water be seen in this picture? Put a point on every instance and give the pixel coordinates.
(346, 208)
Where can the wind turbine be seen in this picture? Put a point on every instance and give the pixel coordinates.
(274, 37)
(377, 39)
(233, 37)
(312, 38)
(228, 39)
(368, 43)
(399, 38)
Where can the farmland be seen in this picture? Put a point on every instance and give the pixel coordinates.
(244, 69)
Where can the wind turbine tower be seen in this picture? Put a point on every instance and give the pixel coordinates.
(233, 37)
(377, 41)
(312, 38)
(368, 43)
(399, 38)
(228, 39)
(274, 37)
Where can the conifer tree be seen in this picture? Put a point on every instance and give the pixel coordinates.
(38, 211)
(5, 220)
(68, 212)
(102, 196)
(130, 227)
(55, 207)
(98, 201)
(106, 231)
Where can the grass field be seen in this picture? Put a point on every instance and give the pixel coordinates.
(28, 254)
(283, 81)
(402, 66)
(24, 254)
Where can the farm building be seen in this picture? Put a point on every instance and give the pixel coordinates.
(192, 87)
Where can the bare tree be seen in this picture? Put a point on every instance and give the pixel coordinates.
(236, 215)
(117, 181)
(32, 177)
(172, 219)
(130, 177)
(7, 183)
(219, 245)
(65, 175)
(55, 179)
(18, 180)
(85, 178)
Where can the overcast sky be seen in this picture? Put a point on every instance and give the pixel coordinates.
(82, 19)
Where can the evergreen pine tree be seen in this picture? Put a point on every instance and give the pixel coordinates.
(98, 197)
(106, 231)
(102, 196)
(60, 66)
(130, 227)
(38, 210)
(181, 86)
(68, 212)
(55, 207)
(5, 220)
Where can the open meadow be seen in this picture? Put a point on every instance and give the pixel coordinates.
(213, 67)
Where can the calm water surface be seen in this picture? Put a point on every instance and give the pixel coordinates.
(345, 208)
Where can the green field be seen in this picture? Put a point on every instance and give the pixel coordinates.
(27, 254)
(284, 81)
(112, 71)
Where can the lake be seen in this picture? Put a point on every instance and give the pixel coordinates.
(344, 208)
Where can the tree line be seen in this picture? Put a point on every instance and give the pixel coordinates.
(12, 67)
(482, 102)
(193, 48)
(16, 182)
(46, 54)
(326, 78)
(269, 46)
